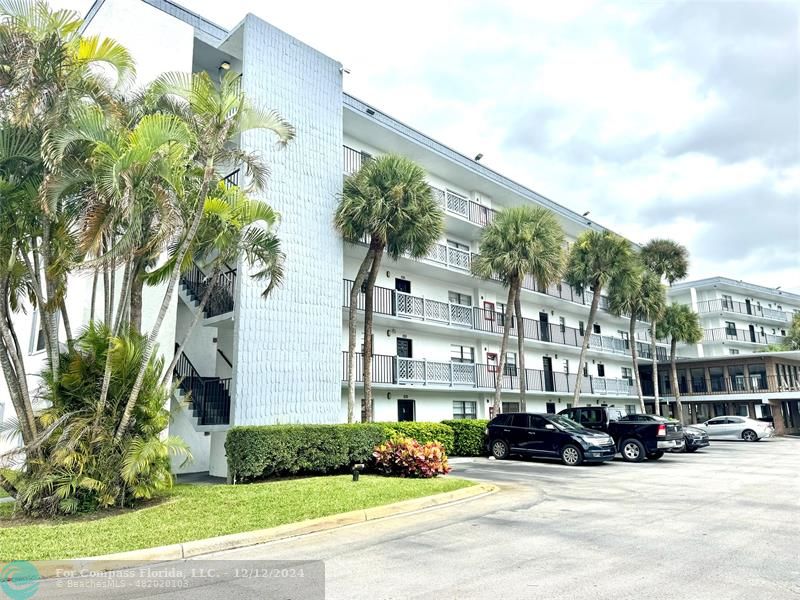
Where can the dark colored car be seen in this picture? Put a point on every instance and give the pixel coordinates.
(695, 439)
(549, 436)
(636, 438)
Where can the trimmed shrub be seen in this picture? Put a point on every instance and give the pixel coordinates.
(271, 450)
(470, 437)
(406, 457)
(425, 432)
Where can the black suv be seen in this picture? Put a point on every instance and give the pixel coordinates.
(547, 435)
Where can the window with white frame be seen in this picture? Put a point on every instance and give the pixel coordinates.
(625, 339)
(37, 340)
(627, 373)
(465, 409)
(630, 409)
(462, 354)
(727, 301)
(510, 368)
(459, 298)
(457, 245)
(562, 324)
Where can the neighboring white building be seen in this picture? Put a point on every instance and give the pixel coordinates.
(736, 317)
(437, 328)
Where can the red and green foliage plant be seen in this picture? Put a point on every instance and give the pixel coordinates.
(406, 457)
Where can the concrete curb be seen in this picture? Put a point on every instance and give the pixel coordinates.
(120, 560)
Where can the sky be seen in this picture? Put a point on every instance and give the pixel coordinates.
(676, 119)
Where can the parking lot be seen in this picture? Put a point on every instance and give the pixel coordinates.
(723, 523)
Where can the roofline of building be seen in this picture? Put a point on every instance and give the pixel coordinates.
(788, 354)
(753, 287)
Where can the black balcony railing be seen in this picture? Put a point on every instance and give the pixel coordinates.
(719, 385)
(353, 159)
(388, 369)
(220, 300)
(742, 308)
(231, 179)
(730, 334)
(209, 397)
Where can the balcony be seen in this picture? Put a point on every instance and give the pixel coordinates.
(220, 301)
(742, 308)
(717, 386)
(726, 334)
(390, 302)
(388, 369)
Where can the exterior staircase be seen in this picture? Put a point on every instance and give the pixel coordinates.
(209, 397)
(194, 283)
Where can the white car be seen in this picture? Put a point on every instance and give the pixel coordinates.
(731, 427)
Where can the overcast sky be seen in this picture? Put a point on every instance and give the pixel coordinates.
(676, 120)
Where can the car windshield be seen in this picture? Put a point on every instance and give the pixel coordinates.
(566, 424)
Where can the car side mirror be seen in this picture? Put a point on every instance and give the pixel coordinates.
(550, 426)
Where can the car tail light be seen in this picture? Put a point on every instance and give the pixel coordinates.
(662, 430)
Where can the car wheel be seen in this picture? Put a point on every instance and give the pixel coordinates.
(632, 450)
(499, 449)
(655, 455)
(571, 456)
(748, 435)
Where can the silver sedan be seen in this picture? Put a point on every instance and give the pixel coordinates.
(731, 427)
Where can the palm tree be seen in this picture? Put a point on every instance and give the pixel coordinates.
(520, 241)
(596, 259)
(215, 115)
(389, 202)
(680, 324)
(639, 294)
(668, 260)
(233, 226)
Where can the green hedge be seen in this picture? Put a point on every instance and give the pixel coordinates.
(425, 432)
(469, 436)
(268, 450)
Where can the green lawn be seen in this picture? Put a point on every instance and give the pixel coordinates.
(193, 512)
(3, 493)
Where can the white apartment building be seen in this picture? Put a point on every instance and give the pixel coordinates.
(437, 328)
(736, 317)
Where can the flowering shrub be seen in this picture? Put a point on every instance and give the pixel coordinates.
(406, 457)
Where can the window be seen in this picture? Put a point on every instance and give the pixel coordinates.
(734, 351)
(581, 327)
(596, 328)
(585, 369)
(37, 343)
(510, 407)
(727, 302)
(780, 307)
(465, 409)
(601, 370)
(457, 245)
(488, 311)
(402, 285)
(566, 365)
(462, 354)
(730, 328)
(501, 315)
(538, 422)
(627, 373)
(630, 409)
(491, 362)
(562, 324)
(510, 368)
(459, 298)
(783, 332)
(625, 339)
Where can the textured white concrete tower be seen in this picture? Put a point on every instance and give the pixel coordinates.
(287, 348)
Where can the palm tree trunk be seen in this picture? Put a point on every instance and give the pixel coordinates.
(8, 486)
(520, 343)
(114, 331)
(587, 334)
(94, 295)
(14, 370)
(208, 175)
(655, 366)
(377, 249)
(212, 283)
(137, 287)
(355, 291)
(673, 377)
(65, 320)
(106, 295)
(635, 361)
(498, 376)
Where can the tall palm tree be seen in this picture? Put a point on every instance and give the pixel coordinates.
(389, 202)
(679, 323)
(215, 116)
(639, 294)
(596, 259)
(520, 241)
(668, 260)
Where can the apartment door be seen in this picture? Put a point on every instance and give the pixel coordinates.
(748, 307)
(405, 348)
(406, 410)
(549, 383)
(551, 408)
(544, 327)
(752, 329)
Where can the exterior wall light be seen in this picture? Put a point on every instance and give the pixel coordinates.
(225, 65)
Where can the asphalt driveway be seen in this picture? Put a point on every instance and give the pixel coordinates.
(723, 523)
